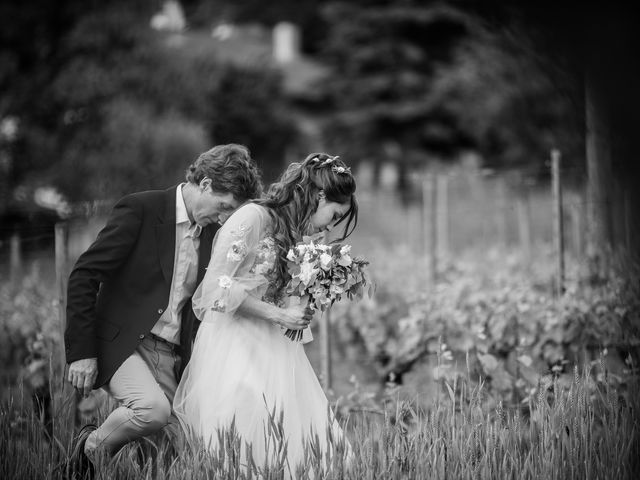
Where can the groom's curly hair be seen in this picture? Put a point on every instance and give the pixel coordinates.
(231, 170)
(293, 199)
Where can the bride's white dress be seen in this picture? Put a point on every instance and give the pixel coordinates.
(242, 368)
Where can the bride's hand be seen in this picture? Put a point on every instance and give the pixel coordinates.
(294, 317)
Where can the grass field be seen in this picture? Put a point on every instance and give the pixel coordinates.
(581, 423)
(584, 430)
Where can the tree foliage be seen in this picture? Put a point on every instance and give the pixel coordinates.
(117, 107)
(433, 80)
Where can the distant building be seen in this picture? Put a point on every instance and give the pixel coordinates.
(170, 19)
(286, 42)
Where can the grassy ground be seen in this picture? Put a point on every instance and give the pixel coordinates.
(585, 430)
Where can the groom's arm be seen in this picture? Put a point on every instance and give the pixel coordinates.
(107, 254)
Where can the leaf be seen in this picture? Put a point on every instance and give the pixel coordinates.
(501, 379)
(525, 360)
(489, 362)
(452, 395)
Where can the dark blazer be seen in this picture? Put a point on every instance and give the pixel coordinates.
(120, 286)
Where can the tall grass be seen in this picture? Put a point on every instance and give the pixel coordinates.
(586, 429)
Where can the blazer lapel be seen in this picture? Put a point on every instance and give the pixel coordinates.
(166, 235)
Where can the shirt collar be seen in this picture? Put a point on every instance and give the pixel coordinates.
(181, 209)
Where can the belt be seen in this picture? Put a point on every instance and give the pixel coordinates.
(162, 340)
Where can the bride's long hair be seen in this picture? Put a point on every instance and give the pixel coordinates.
(294, 198)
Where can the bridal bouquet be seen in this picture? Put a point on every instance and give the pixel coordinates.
(325, 274)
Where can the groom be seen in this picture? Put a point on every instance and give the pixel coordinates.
(130, 324)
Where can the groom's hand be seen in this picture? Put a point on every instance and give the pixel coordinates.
(83, 374)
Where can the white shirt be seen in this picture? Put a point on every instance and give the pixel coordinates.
(185, 273)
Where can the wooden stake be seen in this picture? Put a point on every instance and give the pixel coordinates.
(62, 262)
(414, 228)
(15, 262)
(442, 205)
(577, 214)
(325, 350)
(430, 224)
(61, 239)
(524, 224)
(424, 237)
(502, 213)
(627, 220)
(557, 220)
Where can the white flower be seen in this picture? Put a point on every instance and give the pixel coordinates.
(345, 250)
(291, 256)
(325, 261)
(225, 281)
(345, 261)
(306, 272)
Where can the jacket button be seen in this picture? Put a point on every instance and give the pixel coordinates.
(160, 311)
(141, 336)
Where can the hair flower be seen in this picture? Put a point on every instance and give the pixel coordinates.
(330, 160)
(341, 170)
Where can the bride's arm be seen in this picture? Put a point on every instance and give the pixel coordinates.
(229, 281)
(295, 317)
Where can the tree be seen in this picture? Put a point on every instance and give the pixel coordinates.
(424, 82)
(381, 88)
(596, 43)
(119, 107)
(248, 108)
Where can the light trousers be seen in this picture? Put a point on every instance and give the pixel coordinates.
(144, 387)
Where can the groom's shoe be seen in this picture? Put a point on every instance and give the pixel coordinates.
(81, 466)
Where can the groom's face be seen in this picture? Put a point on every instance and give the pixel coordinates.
(213, 207)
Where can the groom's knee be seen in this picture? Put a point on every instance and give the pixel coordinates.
(153, 413)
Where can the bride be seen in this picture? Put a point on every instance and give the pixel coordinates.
(243, 369)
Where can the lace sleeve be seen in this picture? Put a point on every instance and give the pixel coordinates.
(229, 278)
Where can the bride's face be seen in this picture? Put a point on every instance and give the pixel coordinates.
(327, 213)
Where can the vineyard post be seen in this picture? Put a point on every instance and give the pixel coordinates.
(424, 204)
(414, 236)
(557, 220)
(627, 220)
(325, 349)
(442, 205)
(577, 225)
(15, 262)
(523, 210)
(430, 224)
(62, 262)
(502, 213)
(61, 239)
